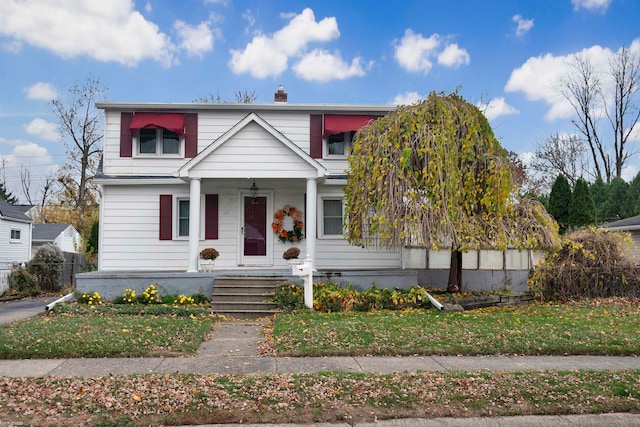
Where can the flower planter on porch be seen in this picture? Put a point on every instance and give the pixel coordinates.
(206, 265)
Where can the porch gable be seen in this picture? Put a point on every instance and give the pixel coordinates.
(252, 148)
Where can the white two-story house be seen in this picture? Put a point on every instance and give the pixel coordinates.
(249, 180)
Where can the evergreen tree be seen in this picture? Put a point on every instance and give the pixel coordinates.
(6, 195)
(582, 210)
(633, 197)
(559, 201)
(600, 193)
(615, 207)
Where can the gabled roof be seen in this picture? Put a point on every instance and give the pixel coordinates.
(48, 232)
(10, 212)
(632, 223)
(320, 170)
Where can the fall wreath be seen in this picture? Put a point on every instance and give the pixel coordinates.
(293, 235)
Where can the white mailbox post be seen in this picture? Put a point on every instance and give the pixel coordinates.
(305, 270)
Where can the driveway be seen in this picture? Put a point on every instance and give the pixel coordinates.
(10, 311)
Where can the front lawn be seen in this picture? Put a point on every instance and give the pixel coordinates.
(79, 330)
(181, 399)
(605, 327)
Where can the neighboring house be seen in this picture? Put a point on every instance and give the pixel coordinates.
(177, 178)
(632, 226)
(64, 236)
(15, 239)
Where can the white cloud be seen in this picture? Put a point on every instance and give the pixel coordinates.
(524, 25)
(591, 5)
(247, 15)
(635, 133)
(12, 46)
(147, 7)
(629, 172)
(320, 65)
(496, 107)
(414, 53)
(31, 155)
(105, 31)
(539, 78)
(41, 90)
(268, 56)
(196, 40)
(407, 98)
(43, 129)
(453, 56)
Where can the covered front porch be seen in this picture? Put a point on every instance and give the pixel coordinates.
(253, 150)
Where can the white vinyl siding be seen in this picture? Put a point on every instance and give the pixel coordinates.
(253, 152)
(12, 249)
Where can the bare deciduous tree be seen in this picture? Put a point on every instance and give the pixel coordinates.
(594, 96)
(25, 180)
(559, 154)
(241, 97)
(79, 123)
(625, 72)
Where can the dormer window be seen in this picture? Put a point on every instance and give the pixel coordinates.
(147, 134)
(158, 134)
(339, 145)
(159, 141)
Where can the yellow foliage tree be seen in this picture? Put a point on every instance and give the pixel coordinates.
(433, 175)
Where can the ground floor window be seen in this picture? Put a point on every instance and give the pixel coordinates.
(332, 214)
(183, 217)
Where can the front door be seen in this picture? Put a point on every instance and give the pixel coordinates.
(254, 250)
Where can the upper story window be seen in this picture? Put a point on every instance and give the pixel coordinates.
(15, 235)
(159, 141)
(338, 146)
(146, 134)
(331, 135)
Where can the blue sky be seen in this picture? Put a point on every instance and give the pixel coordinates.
(504, 54)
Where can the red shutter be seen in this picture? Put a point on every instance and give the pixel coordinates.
(126, 139)
(190, 135)
(211, 216)
(166, 213)
(315, 136)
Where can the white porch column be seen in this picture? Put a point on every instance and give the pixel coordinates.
(194, 223)
(312, 212)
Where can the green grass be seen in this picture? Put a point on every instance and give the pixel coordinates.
(182, 399)
(579, 328)
(77, 330)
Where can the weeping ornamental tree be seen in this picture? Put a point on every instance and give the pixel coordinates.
(433, 175)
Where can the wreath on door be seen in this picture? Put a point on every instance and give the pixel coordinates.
(293, 235)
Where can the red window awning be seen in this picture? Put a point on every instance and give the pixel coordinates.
(170, 121)
(338, 123)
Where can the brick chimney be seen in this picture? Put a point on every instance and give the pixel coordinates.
(280, 95)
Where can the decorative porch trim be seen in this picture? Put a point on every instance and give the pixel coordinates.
(184, 171)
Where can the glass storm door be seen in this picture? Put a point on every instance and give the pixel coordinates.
(254, 239)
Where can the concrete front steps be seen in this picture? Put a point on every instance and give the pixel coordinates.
(244, 297)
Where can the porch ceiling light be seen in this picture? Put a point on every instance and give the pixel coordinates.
(253, 191)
